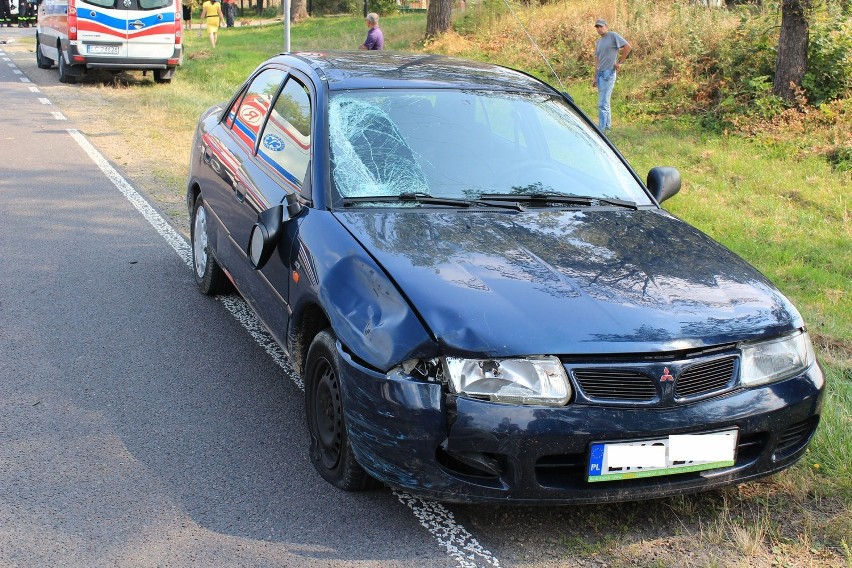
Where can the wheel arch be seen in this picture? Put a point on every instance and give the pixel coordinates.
(305, 324)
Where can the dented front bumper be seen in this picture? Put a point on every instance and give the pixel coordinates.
(414, 436)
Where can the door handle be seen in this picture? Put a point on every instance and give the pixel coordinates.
(239, 192)
(137, 24)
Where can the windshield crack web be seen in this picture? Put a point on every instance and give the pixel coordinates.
(370, 157)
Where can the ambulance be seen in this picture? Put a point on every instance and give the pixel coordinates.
(117, 35)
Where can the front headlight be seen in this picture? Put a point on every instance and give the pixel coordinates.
(532, 380)
(776, 360)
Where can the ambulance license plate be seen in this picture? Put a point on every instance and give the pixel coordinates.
(103, 49)
(612, 461)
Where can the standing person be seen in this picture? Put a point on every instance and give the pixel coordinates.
(610, 52)
(187, 14)
(229, 7)
(5, 14)
(211, 14)
(375, 37)
(23, 14)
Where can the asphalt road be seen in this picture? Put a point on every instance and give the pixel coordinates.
(141, 423)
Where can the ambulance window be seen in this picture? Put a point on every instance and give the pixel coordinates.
(154, 4)
(286, 141)
(102, 3)
(255, 104)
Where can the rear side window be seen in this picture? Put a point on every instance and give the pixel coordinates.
(154, 4)
(255, 105)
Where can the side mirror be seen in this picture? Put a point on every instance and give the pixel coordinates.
(664, 182)
(264, 236)
(266, 232)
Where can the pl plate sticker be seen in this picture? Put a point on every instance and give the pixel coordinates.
(273, 142)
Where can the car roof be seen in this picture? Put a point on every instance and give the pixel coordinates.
(384, 69)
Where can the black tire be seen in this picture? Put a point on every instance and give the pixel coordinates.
(209, 275)
(64, 77)
(160, 76)
(330, 451)
(41, 61)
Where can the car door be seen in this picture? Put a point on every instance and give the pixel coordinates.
(260, 153)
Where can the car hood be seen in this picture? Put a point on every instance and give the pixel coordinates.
(566, 282)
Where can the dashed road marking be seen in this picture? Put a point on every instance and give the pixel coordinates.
(460, 545)
(44, 101)
(34, 90)
(58, 115)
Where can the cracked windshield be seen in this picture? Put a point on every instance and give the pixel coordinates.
(465, 144)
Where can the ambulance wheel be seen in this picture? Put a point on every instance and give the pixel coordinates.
(64, 77)
(42, 61)
(163, 75)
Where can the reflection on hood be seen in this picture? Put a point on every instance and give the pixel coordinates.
(562, 282)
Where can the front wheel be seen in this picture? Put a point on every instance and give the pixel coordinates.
(330, 451)
(41, 61)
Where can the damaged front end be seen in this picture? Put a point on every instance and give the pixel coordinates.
(476, 430)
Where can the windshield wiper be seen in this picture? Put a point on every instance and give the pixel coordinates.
(419, 197)
(545, 198)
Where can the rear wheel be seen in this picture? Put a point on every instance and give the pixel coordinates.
(330, 451)
(163, 75)
(42, 61)
(209, 275)
(64, 77)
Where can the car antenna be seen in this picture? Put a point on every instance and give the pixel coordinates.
(535, 45)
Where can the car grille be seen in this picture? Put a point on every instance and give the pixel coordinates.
(615, 384)
(705, 378)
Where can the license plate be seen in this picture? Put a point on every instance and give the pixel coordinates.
(103, 49)
(611, 461)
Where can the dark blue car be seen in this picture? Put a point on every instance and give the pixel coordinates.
(484, 300)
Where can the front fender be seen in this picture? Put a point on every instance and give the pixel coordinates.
(368, 313)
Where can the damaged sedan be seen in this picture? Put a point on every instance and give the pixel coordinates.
(484, 300)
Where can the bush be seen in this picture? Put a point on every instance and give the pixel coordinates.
(383, 7)
(829, 74)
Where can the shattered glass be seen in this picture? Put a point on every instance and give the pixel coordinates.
(458, 143)
(370, 156)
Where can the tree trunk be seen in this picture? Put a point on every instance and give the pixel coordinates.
(259, 7)
(438, 17)
(792, 49)
(298, 10)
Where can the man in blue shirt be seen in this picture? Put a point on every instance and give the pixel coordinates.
(610, 52)
(375, 37)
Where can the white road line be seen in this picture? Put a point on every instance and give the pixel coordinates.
(25, 80)
(11, 64)
(58, 115)
(44, 101)
(34, 89)
(434, 517)
(17, 72)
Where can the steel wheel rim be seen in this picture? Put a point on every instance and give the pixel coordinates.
(328, 414)
(199, 242)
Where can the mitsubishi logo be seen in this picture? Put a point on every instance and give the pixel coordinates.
(666, 376)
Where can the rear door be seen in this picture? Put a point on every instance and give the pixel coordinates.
(102, 27)
(151, 28)
(132, 29)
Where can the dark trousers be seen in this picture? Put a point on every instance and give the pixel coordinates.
(5, 12)
(229, 10)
